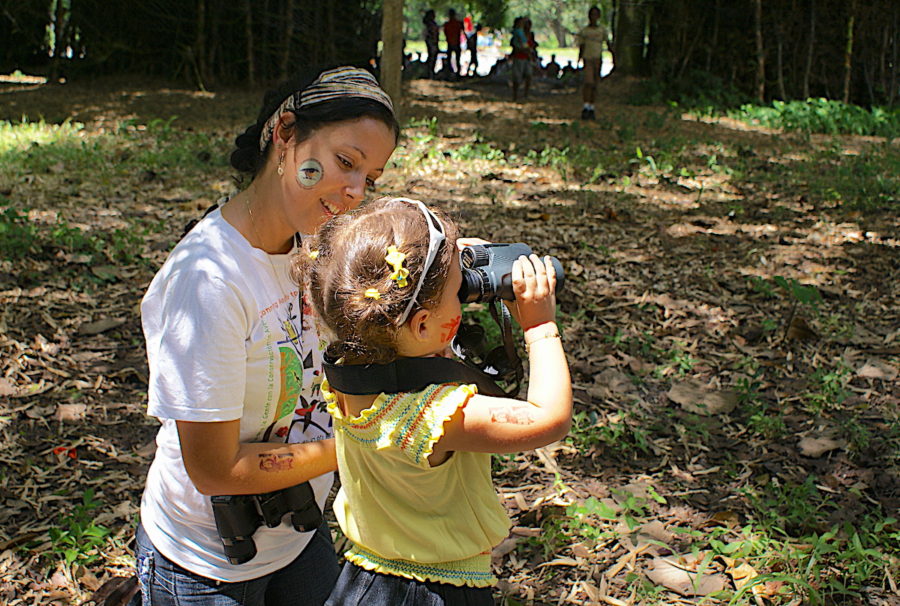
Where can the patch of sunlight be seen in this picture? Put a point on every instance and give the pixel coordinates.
(17, 77)
(195, 94)
(23, 134)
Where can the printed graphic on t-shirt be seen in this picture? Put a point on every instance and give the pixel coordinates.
(291, 351)
(299, 380)
(289, 383)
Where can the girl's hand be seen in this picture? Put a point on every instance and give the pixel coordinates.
(534, 284)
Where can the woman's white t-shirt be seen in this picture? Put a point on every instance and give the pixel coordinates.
(227, 338)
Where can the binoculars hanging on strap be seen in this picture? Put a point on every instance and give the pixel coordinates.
(239, 516)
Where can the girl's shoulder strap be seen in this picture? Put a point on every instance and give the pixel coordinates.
(405, 375)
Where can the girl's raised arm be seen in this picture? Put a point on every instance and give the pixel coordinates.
(502, 425)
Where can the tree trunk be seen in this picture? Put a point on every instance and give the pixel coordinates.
(215, 67)
(248, 33)
(392, 50)
(892, 78)
(714, 44)
(330, 35)
(628, 39)
(59, 50)
(779, 58)
(848, 52)
(556, 23)
(200, 45)
(760, 53)
(809, 48)
(288, 37)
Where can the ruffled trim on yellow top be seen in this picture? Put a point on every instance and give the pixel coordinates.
(399, 419)
(471, 572)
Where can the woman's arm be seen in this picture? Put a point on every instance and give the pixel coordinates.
(502, 425)
(218, 464)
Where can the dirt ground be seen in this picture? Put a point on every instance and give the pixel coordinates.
(659, 314)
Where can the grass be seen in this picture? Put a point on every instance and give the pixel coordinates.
(76, 537)
(823, 116)
(38, 148)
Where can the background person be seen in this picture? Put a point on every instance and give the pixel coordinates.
(591, 40)
(235, 359)
(432, 33)
(552, 68)
(453, 29)
(472, 46)
(520, 56)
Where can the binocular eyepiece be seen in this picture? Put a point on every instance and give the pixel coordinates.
(487, 271)
(239, 516)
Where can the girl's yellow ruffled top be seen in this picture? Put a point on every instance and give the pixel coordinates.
(403, 516)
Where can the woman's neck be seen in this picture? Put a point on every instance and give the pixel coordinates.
(252, 212)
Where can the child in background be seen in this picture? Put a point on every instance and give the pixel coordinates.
(472, 47)
(521, 56)
(417, 501)
(590, 41)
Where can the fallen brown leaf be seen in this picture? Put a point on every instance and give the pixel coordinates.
(663, 571)
(698, 399)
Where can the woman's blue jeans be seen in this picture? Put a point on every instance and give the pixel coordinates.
(306, 581)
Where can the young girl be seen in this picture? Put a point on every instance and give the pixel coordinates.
(416, 499)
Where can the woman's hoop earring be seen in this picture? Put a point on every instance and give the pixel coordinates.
(281, 163)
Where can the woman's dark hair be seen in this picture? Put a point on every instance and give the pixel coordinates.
(248, 158)
(349, 260)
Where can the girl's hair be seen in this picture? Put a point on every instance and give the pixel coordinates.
(346, 259)
(248, 158)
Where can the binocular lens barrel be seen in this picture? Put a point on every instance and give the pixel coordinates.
(487, 271)
(239, 550)
(236, 521)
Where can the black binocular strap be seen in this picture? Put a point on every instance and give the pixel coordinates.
(405, 375)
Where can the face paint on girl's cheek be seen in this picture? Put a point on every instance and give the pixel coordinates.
(451, 328)
(309, 173)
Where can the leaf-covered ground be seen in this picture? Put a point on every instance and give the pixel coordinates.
(731, 315)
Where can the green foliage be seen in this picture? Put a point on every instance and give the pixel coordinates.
(866, 182)
(17, 234)
(693, 90)
(76, 537)
(477, 150)
(788, 505)
(828, 389)
(841, 557)
(21, 236)
(621, 434)
(823, 116)
(430, 125)
(801, 293)
(38, 148)
(763, 418)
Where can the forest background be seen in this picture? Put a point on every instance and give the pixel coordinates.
(728, 226)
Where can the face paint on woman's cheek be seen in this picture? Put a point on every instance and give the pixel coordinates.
(309, 173)
(450, 329)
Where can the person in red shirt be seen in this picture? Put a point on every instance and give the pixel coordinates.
(453, 33)
(522, 54)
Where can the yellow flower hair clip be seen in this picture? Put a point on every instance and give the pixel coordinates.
(373, 293)
(395, 259)
(313, 254)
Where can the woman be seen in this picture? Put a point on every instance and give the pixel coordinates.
(235, 360)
